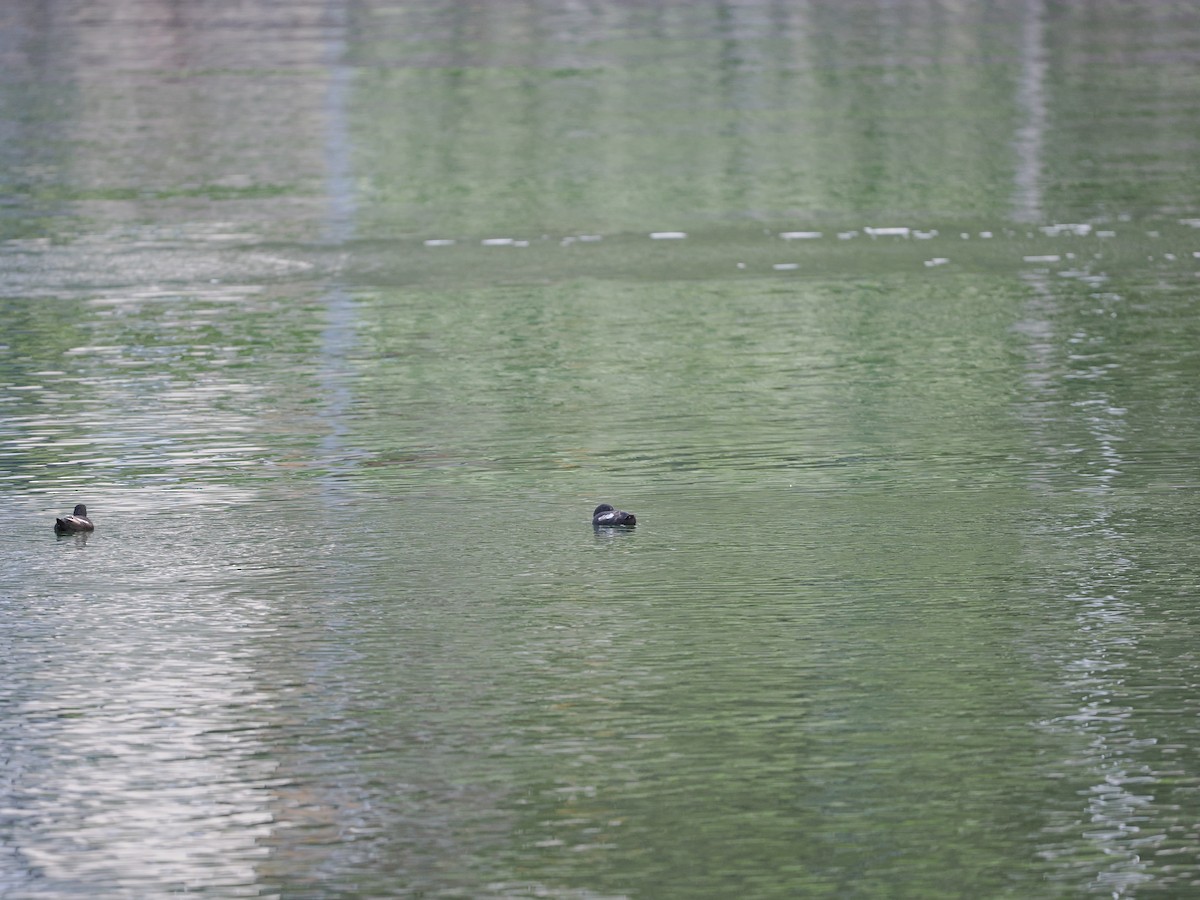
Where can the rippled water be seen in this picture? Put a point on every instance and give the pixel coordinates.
(341, 320)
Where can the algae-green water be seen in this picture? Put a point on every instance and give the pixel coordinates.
(342, 317)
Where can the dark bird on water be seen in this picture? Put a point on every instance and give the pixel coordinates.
(77, 521)
(607, 517)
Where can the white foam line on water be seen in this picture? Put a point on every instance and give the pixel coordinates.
(1057, 229)
(1080, 230)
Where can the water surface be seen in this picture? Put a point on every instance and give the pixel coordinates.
(342, 318)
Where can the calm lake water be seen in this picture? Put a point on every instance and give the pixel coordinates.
(884, 318)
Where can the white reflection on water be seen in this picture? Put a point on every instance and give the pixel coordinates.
(1031, 101)
(1092, 666)
(138, 763)
(338, 335)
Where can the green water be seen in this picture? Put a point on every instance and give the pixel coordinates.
(341, 318)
